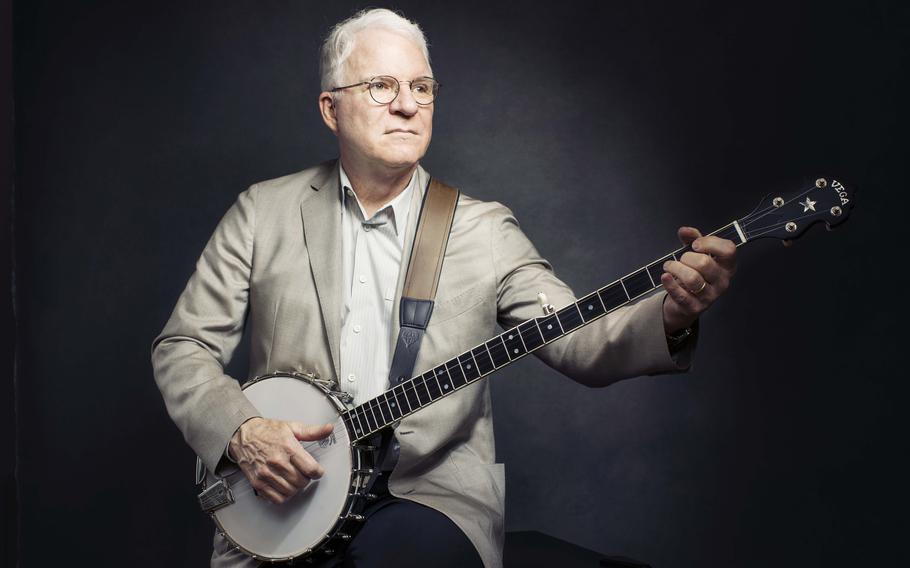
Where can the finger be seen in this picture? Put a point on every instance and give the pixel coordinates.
(723, 250)
(283, 467)
(688, 277)
(687, 234)
(682, 297)
(267, 475)
(281, 486)
(310, 433)
(262, 488)
(266, 492)
(705, 266)
(307, 465)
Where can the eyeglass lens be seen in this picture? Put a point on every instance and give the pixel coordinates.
(384, 89)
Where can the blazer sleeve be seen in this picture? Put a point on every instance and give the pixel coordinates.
(198, 341)
(626, 343)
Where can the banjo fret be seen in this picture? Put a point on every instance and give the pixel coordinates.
(468, 367)
(371, 418)
(549, 328)
(421, 398)
(531, 336)
(432, 384)
(392, 402)
(410, 392)
(444, 379)
(382, 405)
(402, 400)
(456, 373)
(484, 362)
(498, 353)
(569, 318)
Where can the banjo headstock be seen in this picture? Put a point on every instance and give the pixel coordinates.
(788, 216)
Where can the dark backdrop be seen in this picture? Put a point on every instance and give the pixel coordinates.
(8, 489)
(604, 126)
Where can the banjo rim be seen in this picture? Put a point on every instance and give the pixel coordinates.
(354, 477)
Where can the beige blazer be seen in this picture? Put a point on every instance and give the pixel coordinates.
(274, 264)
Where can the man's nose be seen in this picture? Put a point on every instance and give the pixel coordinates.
(404, 103)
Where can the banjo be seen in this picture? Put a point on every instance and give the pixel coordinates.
(323, 515)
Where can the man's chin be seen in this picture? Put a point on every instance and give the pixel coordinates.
(404, 160)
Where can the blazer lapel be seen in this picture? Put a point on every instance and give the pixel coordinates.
(321, 215)
(423, 179)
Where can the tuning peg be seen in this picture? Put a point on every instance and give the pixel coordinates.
(545, 304)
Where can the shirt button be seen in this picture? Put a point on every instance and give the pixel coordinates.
(367, 227)
(362, 279)
(351, 378)
(349, 191)
(356, 329)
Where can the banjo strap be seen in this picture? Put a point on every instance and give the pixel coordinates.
(422, 279)
(437, 211)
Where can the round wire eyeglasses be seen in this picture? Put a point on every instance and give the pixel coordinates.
(384, 89)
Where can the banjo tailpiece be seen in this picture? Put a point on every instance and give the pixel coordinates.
(216, 496)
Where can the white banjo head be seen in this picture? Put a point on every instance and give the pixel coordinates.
(295, 527)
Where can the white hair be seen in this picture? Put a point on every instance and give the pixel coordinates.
(339, 44)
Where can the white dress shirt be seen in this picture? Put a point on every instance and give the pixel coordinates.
(372, 255)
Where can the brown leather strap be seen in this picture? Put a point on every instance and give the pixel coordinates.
(436, 215)
(422, 278)
(430, 242)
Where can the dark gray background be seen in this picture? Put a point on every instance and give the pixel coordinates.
(604, 126)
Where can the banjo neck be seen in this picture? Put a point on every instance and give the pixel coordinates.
(475, 364)
(783, 217)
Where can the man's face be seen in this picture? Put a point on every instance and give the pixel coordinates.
(394, 135)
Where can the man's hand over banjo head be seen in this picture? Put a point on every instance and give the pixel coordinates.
(270, 455)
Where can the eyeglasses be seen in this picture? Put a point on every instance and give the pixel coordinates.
(384, 89)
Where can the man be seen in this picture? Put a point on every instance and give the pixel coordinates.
(314, 257)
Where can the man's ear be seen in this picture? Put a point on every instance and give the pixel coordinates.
(327, 110)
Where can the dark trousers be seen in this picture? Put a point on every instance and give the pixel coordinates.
(402, 534)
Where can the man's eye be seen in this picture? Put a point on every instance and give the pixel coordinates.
(422, 88)
(380, 86)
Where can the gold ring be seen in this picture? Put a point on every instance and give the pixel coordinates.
(704, 285)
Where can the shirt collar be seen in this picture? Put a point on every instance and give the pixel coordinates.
(397, 208)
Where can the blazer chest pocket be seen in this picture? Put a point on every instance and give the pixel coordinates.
(451, 306)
